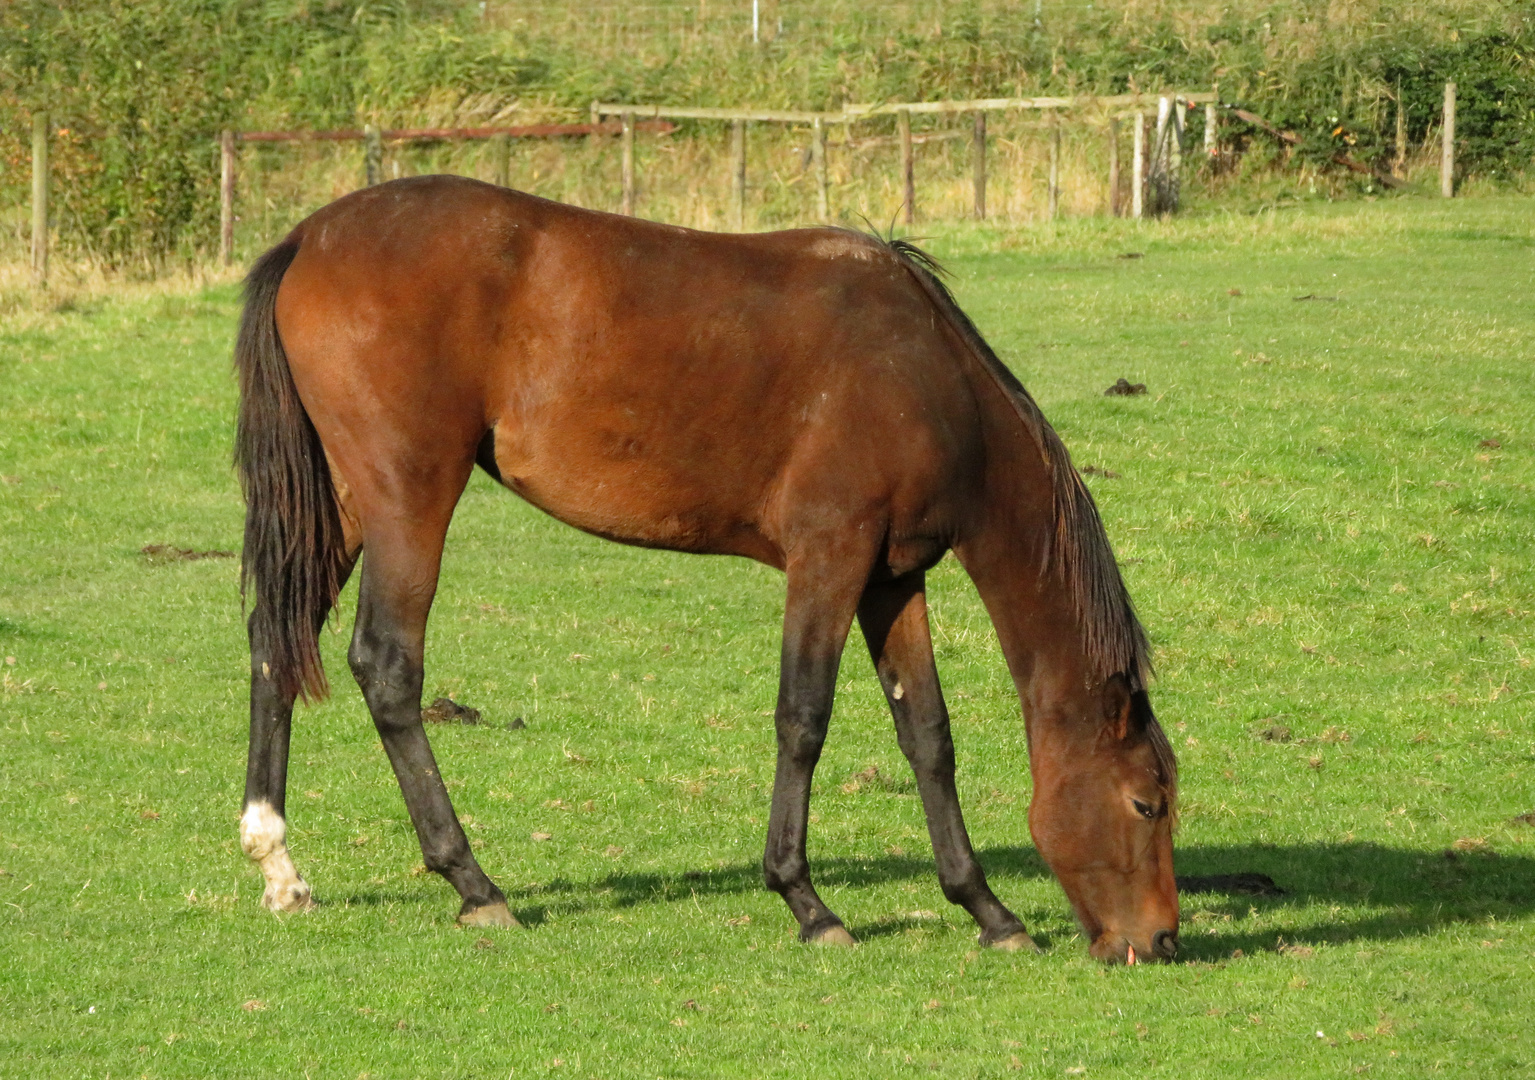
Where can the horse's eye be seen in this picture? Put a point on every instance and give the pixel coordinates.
(1145, 810)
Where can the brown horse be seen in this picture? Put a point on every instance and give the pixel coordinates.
(812, 399)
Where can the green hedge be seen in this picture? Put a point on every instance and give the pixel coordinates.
(139, 88)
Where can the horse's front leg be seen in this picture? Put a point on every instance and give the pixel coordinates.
(893, 616)
(817, 614)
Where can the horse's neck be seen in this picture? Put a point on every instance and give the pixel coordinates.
(1008, 556)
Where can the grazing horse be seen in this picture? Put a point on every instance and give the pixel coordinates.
(812, 399)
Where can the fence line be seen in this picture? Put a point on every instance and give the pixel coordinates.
(1155, 164)
(851, 112)
(1171, 108)
(373, 140)
(524, 131)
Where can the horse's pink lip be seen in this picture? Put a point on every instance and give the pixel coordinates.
(1129, 954)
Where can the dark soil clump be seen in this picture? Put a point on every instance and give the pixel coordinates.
(447, 711)
(1125, 388)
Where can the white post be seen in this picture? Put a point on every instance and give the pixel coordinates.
(39, 198)
(1160, 159)
(756, 21)
(1175, 155)
(1138, 169)
(1447, 150)
(226, 198)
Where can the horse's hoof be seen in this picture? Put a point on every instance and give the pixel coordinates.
(1019, 942)
(489, 915)
(836, 934)
(289, 897)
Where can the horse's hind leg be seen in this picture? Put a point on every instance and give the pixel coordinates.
(399, 579)
(263, 824)
(817, 614)
(893, 616)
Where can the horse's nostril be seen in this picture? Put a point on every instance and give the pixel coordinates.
(1165, 944)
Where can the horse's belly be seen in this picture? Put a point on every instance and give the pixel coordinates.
(635, 500)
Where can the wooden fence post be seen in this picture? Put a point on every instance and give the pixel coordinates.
(1447, 151)
(1138, 169)
(1114, 209)
(978, 164)
(1399, 163)
(1055, 164)
(822, 176)
(501, 159)
(226, 198)
(39, 199)
(1175, 154)
(596, 121)
(738, 171)
(1211, 116)
(1159, 157)
(908, 167)
(628, 168)
(372, 155)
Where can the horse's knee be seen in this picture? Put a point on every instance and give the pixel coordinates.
(801, 738)
(931, 755)
(385, 672)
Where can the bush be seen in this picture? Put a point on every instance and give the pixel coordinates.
(139, 89)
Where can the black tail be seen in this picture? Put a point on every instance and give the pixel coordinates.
(294, 548)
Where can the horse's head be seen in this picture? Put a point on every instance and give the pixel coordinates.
(1102, 816)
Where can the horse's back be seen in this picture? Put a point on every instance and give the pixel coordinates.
(653, 384)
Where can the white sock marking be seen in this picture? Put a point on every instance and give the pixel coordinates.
(263, 835)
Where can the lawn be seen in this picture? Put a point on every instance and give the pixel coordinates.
(1324, 508)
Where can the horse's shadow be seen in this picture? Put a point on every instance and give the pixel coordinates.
(1383, 893)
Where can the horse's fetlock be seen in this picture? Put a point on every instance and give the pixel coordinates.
(263, 831)
(783, 876)
(964, 888)
(443, 856)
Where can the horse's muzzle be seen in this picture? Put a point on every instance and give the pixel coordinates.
(1164, 944)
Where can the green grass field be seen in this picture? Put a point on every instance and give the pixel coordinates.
(1324, 507)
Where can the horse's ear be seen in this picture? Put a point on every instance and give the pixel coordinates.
(1118, 708)
(1141, 716)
